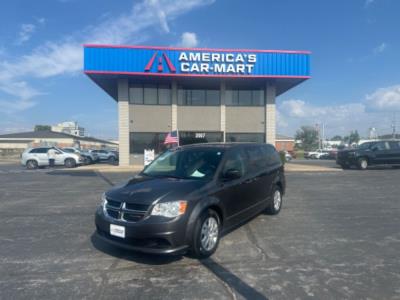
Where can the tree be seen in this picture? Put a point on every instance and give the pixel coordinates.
(337, 138)
(354, 137)
(42, 128)
(308, 136)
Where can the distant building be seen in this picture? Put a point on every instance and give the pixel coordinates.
(284, 143)
(16, 143)
(69, 128)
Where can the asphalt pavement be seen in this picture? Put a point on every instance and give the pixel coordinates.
(337, 237)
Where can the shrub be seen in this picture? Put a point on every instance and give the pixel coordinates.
(282, 154)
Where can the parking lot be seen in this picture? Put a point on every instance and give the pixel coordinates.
(337, 237)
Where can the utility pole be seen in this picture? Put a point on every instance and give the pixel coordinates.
(394, 126)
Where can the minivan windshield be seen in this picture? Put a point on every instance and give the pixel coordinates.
(186, 164)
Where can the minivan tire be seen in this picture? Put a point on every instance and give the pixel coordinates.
(275, 205)
(31, 164)
(70, 163)
(111, 159)
(209, 218)
(362, 163)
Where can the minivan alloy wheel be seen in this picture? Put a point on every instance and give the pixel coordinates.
(209, 233)
(277, 200)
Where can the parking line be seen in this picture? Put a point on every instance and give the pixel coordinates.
(104, 178)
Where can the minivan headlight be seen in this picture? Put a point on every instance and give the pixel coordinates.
(169, 209)
(103, 201)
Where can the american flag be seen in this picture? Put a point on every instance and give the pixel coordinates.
(172, 138)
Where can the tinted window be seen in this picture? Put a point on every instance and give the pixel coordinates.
(146, 140)
(245, 137)
(235, 160)
(39, 150)
(244, 97)
(256, 159)
(381, 146)
(136, 94)
(164, 95)
(150, 95)
(272, 155)
(395, 145)
(198, 97)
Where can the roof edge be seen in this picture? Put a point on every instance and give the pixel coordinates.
(194, 49)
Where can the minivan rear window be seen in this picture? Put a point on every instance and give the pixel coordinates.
(256, 159)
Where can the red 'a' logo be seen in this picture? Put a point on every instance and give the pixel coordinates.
(160, 63)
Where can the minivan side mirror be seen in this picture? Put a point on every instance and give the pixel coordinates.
(374, 148)
(231, 174)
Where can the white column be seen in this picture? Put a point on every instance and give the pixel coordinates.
(270, 113)
(174, 106)
(223, 110)
(123, 122)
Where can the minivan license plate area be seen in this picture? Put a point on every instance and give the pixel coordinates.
(117, 230)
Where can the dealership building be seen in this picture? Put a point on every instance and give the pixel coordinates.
(208, 95)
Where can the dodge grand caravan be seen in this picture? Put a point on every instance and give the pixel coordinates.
(187, 198)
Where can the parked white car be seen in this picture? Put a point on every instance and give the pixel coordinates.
(288, 157)
(33, 158)
(89, 157)
(317, 154)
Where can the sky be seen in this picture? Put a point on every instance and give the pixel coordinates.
(355, 61)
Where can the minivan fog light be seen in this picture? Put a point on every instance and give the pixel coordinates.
(169, 209)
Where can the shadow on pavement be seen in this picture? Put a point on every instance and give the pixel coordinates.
(138, 257)
(232, 280)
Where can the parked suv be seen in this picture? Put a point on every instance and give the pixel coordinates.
(370, 153)
(88, 157)
(188, 197)
(105, 155)
(33, 158)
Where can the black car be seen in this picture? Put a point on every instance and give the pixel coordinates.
(370, 153)
(188, 197)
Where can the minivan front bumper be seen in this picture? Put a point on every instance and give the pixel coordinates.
(149, 235)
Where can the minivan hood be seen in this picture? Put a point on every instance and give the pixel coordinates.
(145, 190)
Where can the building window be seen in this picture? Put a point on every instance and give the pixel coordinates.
(245, 137)
(244, 97)
(196, 97)
(136, 94)
(194, 137)
(146, 140)
(150, 94)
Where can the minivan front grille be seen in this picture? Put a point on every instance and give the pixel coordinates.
(128, 212)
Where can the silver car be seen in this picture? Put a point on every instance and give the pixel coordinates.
(105, 155)
(89, 157)
(33, 158)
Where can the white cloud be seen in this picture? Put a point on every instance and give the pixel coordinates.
(189, 40)
(66, 55)
(367, 3)
(385, 99)
(25, 33)
(375, 110)
(380, 48)
(301, 109)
